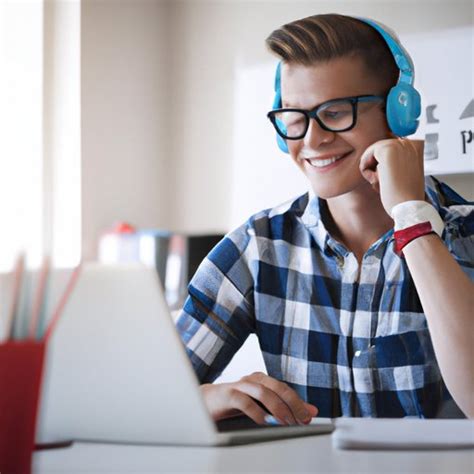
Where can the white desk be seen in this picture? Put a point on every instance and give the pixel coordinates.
(311, 454)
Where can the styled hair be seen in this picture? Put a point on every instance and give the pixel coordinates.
(320, 38)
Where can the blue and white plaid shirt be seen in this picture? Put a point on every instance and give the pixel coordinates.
(353, 345)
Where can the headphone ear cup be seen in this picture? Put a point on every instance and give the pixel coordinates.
(277, 105)
(282, 144)
(280, 140)
(403, 109)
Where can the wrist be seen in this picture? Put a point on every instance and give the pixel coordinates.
(409, 213)
(413, 219)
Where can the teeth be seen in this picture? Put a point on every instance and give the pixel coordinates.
(321, 163)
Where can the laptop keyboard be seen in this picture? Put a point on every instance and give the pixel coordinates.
(238, 423)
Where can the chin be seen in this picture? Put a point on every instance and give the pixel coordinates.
(332, 190)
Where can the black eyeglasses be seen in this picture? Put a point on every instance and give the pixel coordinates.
(337, 115)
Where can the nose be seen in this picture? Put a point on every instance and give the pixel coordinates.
(317, 135)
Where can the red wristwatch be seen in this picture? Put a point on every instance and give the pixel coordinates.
(405, 236)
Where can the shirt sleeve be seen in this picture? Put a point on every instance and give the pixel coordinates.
(458, 216)
(218, 314)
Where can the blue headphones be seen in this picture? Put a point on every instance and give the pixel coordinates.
(403, 104)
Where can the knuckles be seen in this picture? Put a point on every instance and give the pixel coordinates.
(253, 377)
(234, 395)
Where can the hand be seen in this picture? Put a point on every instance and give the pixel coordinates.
(230, 399)
(394, 168)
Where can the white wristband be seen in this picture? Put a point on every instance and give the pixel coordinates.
(409, 213)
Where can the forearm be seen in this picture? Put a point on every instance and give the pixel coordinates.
(447, 297)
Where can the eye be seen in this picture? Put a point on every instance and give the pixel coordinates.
(333, 114)
(294, 119)
(330, 114)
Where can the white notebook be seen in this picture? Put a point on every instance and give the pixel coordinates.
(403, 433)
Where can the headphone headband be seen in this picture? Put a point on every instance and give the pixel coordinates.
(400, 54)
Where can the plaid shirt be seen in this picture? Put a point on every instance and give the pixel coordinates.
(352, 344)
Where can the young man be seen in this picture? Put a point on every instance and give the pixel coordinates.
(353, 318)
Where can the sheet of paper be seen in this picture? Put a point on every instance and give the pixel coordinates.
(403, 433)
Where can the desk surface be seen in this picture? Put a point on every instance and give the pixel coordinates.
(310, 454)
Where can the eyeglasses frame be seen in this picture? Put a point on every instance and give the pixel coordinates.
(312, 114)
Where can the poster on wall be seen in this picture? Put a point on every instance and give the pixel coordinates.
(444, 76)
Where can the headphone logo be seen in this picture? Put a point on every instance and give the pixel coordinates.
(403, 99)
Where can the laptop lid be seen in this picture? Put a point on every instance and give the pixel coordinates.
(115, 366)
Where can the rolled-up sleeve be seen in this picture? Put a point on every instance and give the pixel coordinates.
(459, 236)
(458, 216)
(218, 314)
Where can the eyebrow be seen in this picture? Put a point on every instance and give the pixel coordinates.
(287, 106)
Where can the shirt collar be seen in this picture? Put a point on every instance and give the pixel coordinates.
(311, 215)
(312, 220)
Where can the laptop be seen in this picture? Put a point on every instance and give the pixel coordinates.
(117, 371)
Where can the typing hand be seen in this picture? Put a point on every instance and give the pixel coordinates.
(256, 396)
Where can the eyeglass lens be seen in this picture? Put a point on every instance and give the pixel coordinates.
(335, 116)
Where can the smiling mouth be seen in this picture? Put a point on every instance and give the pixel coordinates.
(319, 163)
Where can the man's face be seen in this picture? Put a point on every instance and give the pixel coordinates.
(305, 87)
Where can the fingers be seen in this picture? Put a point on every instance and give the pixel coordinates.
(299, 411)
(368, 169)
(244, 397)
(368, 165)
(368, 160)
(257, 396)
